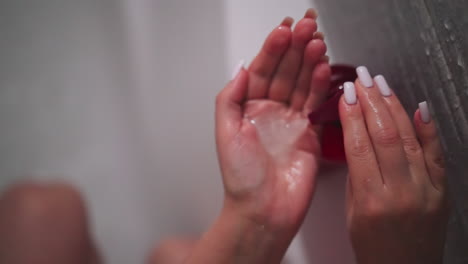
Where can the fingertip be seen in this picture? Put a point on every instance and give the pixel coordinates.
(325, 58)
(311, 13)
(315, 50)
(242, 78)
(364, 76)
(237, 69)
(349, 93)
(305, 29)
(287, 21)
(422, 118)
(236, 89)
(278, 41)
(318, 42)
(426, 131)
(319, 35)
(424, 113)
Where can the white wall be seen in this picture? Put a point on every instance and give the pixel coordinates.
(117, 97)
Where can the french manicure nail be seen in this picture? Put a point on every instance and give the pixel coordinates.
(237, 69)
(424, 111)
(364, 76)
(383, 85)
(350, 93)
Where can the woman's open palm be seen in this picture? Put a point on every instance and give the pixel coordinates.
(269, 153)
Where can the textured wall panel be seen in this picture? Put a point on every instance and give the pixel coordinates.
(421, 47)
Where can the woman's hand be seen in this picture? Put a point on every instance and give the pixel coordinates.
(396, 203)
(267, 149)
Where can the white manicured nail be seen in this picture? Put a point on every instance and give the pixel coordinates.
(364, 76)
(350, 93)
(237, 69)
(424, 111)
(383, 85)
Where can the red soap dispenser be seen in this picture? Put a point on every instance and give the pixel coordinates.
(328, 115)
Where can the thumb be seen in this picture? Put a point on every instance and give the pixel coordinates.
(229, 112)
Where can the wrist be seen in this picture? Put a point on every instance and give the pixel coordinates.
(237, 238)
(271, 216)
(253, 238)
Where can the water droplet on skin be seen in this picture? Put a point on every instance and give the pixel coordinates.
(252, 121)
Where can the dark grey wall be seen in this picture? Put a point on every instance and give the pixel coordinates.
(421, 46)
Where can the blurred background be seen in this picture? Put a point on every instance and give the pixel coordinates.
(117, 97)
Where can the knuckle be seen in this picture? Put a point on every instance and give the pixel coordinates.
(411, 146)
(360, 149)
(435, 209)
(439, 162)
(407, 206)
(372, 210)
(387, 136)
(437, 205)
(409, 201)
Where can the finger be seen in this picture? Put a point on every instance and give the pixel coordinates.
(411, 146)
(288, 22)
(319, 87)
(313, 53)
(229, 104)
(362, 163)
(349, 197)
(263, 67)
(382, 130)
(311, 13)
(433, 154)
(326, 58)
(286, 75)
